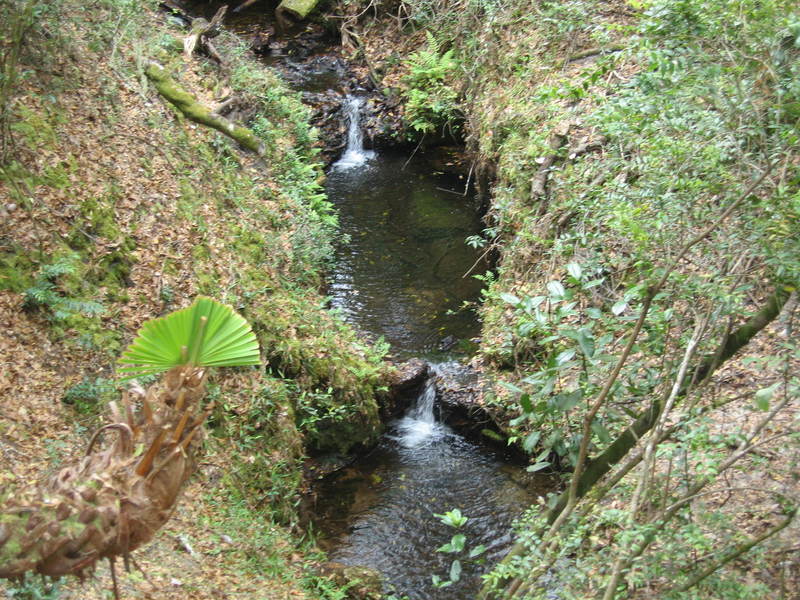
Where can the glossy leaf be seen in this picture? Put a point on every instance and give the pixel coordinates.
(556, 289)
(586, 342)
(763, 396)
(538, 466)
(477, 551)
(531, 440)
(510, 299)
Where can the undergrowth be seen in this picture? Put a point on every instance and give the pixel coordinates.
(92, 259)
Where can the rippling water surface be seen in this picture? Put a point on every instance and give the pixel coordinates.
(404, 273)
(381, 512)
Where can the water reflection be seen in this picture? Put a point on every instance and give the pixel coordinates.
(401, 272)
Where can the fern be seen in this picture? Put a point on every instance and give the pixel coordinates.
(46, 294)
(430, 100)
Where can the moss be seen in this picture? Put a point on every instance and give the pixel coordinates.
(17, 269)
(194, 111)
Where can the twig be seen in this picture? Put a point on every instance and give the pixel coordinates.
(736, 552)
(422, 139)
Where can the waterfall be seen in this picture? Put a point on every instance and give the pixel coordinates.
(354, 154)
(419, 426)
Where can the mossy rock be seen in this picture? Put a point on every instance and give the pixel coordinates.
(342, 436)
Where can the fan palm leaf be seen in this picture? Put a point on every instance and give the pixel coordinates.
(206, 334)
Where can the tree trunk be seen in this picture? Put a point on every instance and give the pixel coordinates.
(296, 9)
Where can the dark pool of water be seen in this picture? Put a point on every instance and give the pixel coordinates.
(402, 273)
(380, 513)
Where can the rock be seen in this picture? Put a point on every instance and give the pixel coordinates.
(260, 42)
(362, 583)
(448, 343)
(410, 374)
(403, 386)
(459, 392)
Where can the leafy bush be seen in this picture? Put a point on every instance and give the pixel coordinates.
(90, 394)
(33, 587)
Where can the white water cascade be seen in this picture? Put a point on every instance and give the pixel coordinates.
(419, 426)
(354, 154)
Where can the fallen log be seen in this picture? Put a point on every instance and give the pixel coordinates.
(194, 111)
(202, 32)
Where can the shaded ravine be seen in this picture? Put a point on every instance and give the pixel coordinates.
(400, 274)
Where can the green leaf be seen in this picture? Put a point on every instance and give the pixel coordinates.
(453, 518)
(565, 356)
(763, 396)
(586, 342)
(455, 570)
(601, 432)
(492, 435)
(531, 304)
(531, 440)
(456, 544)
(593, 283)
(619, 307)
(206, 334)
(575, 270)
(477, 551)
(525, 402)
(567, 400)
(538, 466)
(511, 387)
(556, 289)
(510, 299)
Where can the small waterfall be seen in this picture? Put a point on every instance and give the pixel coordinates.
(354, 154)
(419, 427)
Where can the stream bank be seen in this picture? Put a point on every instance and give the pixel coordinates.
(136, 211)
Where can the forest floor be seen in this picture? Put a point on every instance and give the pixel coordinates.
(99, 156)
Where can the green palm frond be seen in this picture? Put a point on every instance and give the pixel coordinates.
(206, 334)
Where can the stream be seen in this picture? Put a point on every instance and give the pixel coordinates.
(403, 273)
(400, 275)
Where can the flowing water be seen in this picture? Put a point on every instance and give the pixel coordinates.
(381, 512)
(405, 275)
(401, 275)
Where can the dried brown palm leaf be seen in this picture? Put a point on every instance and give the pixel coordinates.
(124, 490)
